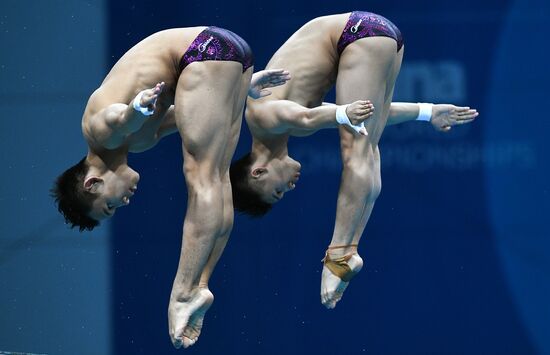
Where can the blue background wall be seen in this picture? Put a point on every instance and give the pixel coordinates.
(54, 282)
(456, 250)
(442, 266)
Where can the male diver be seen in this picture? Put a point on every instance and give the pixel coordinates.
(164, 84)
(360, 53)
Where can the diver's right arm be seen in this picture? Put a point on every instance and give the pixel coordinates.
(281, 116)
(110, 126)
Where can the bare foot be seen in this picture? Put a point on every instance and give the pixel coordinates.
(332, 287)
(185, 318)
(150, 96)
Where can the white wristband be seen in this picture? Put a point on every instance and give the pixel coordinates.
(137, 106)
(342, 118)
(424, 112)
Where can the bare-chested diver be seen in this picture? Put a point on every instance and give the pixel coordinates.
(361, 54)
(196, 81)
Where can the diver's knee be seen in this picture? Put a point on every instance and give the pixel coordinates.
(365, 177)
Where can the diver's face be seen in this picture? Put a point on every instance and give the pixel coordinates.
(275, 179)
(113, 190)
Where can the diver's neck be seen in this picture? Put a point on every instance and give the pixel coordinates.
(268, 150)
(107, 160)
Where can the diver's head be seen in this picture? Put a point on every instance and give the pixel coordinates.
(256, 187)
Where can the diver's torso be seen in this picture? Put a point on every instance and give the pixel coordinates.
(311, 57)
(155, 59)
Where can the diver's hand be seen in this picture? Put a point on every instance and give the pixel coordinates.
(359, 111)
(445, 116)
(355, 115)
(266, 79)
(148, 98)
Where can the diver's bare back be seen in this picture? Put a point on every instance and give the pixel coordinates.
(154, 59)
(311, 57)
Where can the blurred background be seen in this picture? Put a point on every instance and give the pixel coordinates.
(456, 252)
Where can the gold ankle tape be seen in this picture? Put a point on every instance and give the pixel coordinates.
(339, 266)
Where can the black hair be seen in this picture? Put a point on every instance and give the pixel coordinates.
(72, 200)
(245, 199)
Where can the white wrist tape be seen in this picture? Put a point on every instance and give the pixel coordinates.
(424, 112)
(137, 106)
(342, 118)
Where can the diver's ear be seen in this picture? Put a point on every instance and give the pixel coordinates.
(258, 172)
(92, 183)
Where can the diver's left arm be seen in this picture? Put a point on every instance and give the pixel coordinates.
(441, 116)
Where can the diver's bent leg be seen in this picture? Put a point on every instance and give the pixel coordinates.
(366, 71)
(205, 127)
(228, 212)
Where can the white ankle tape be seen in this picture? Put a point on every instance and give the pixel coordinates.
(137, 106)
(342, 118)
(424, 112)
